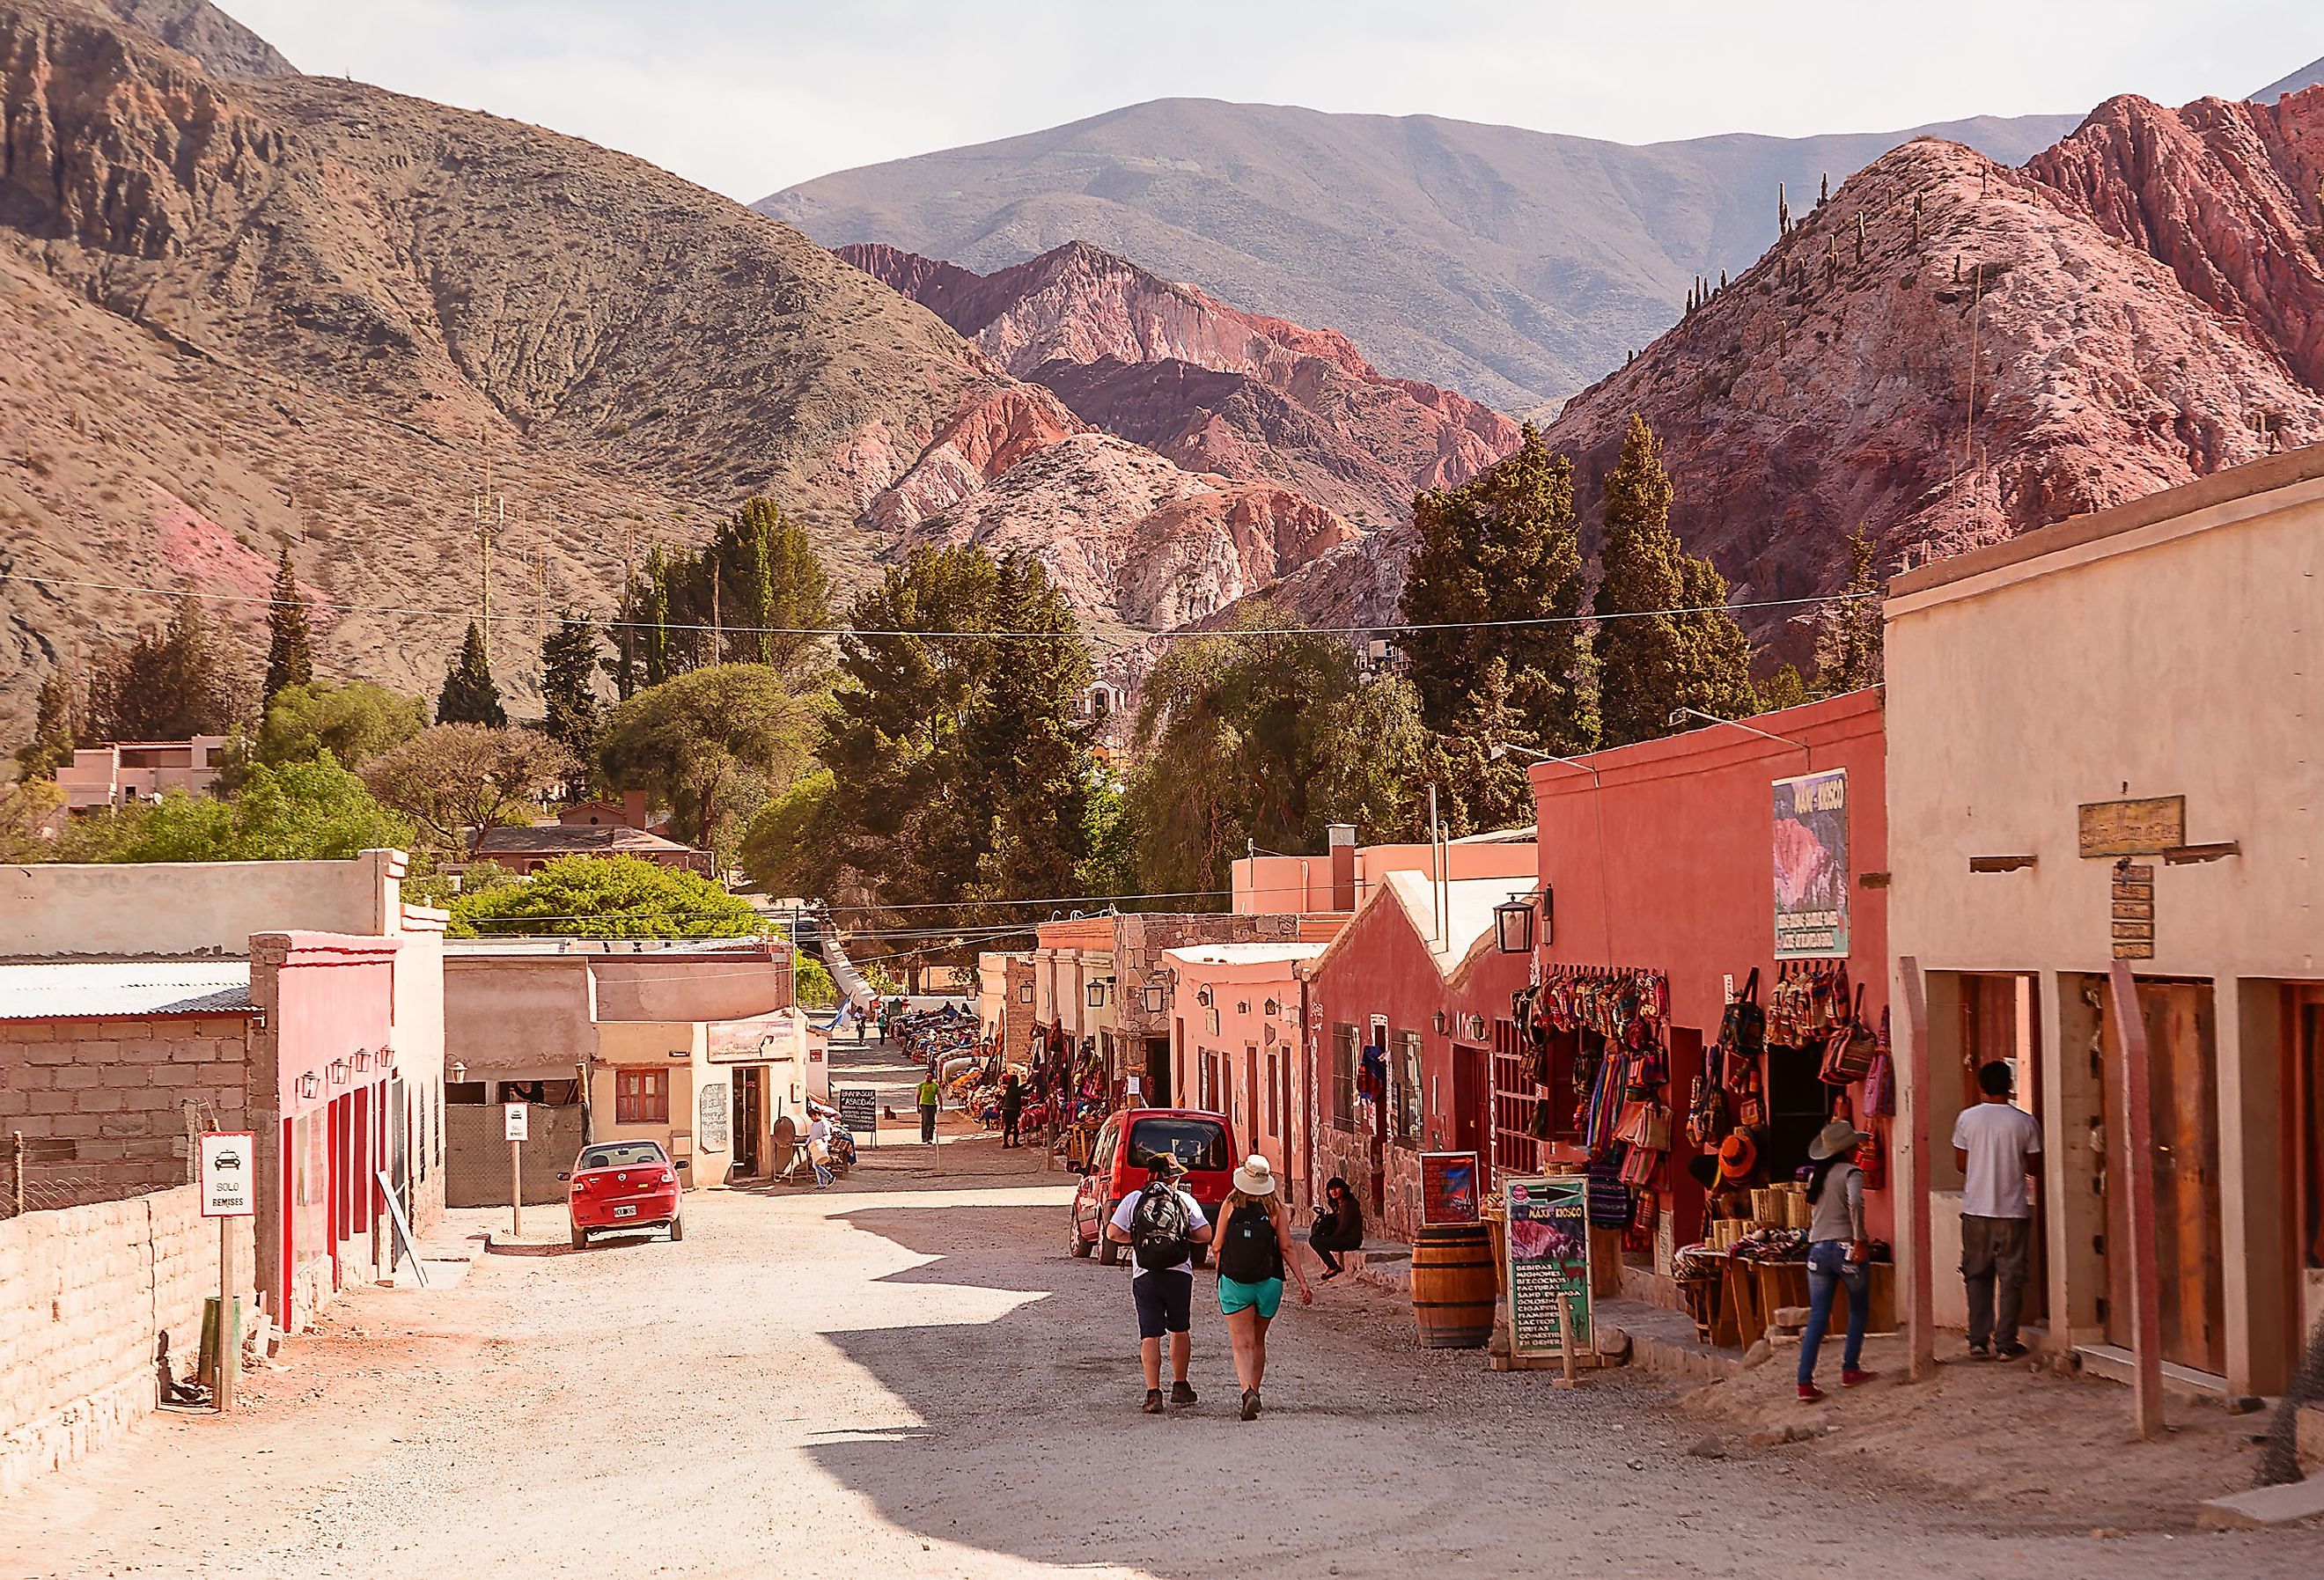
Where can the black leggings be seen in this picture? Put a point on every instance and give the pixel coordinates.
(1327, 1244)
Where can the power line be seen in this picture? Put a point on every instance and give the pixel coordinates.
(1182, 634)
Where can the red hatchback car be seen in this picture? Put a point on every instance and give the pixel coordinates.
(623, 1185)
(1122, 1162)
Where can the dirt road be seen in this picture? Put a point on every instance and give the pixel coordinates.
(906, 1375)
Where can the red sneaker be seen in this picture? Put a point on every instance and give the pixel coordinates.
(1856, 1379)
(1810, 1393)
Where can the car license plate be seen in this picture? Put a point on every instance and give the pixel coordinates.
(625, 1212)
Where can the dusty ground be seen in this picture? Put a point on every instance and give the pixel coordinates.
(909, 1371)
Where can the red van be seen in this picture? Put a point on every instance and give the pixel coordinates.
(1122, 1162)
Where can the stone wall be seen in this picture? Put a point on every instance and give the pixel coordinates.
(103, 1105)
(85, 1293)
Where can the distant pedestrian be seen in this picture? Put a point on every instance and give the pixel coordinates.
(1339, 1227)
(1837, 1254)
(1013, 1109)
(928, 1090)
(818, 1150)
(1994, 1144)
(1162, 1224)
(1254, 1255)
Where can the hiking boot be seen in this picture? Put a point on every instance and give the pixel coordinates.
(1153, 1401)
(1857, 1379)
(1810, 1393)
(1251, 1404)
(2011, 1353)
(1181, 1392)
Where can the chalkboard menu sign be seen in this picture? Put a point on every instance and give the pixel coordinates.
(859, 1109)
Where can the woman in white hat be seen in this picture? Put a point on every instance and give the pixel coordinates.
(1253, 1248)
(1837, 1254)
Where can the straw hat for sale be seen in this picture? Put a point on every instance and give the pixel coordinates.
(1738, 1156)
(1838, 1137)
(1255, 1176)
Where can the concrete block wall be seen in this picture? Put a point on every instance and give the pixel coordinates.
(116, 1091)
(85, 1293)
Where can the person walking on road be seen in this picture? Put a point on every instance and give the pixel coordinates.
(1162, 1224)
(1013, 1109)
(818, 1150)
(1837, 1254)
(1254, 1253)
(928, 1108)
(1994, 1144)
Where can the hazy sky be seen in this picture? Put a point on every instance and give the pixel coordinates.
(750, 96)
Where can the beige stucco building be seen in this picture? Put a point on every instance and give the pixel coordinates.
(2107, 737)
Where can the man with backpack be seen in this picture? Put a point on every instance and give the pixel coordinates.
(1162, 1224)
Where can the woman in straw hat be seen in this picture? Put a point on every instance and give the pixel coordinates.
(1253, 1248)
(1837, 1254)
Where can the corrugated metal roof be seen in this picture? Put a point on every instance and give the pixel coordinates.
(87, 989)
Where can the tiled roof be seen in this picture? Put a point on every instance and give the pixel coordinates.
(89, 989)
(573, 839)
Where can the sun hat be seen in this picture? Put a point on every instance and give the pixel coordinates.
(1738, 1156)
(1838, 1137)
(1255, 1176)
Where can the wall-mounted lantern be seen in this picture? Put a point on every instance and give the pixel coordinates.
(1097, 994)
(1513, 925)
(338, 1072)
(1440, 1022)
(1024, 993)
(1156, 1000)
(309, 1083)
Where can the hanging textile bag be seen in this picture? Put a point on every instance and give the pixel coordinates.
(1638, 1166)
(1706, 1110)
(1849, 1056)
(1743, 1029)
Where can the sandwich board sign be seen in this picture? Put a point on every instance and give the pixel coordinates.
(229, 1174)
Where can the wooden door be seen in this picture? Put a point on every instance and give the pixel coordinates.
(2303, 1025)
(2183, 1071)
(1472, 1117)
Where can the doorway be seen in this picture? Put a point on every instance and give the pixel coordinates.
(750, 1117)
(2304, 1039)
(1472, 1115)
(2001, 1022)
(2182, 1083)
(1157, 1072)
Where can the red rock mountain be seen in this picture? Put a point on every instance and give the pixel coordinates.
(1212, 387)
(243, 309)
(1952, 352)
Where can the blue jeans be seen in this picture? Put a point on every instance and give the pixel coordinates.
(823, 1177)
(1827, 1268)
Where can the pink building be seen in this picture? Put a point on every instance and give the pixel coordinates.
(1340, 880)
(125, 771)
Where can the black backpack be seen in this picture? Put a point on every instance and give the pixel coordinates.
(1247, 1249)
(1160, 1236)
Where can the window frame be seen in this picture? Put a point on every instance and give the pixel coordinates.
(641, 1096)
(1406, 1076)
(1347, 1062)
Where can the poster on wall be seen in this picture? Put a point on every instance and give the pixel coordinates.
(1548, 1256)
(1810, 848)
(1448, 1188)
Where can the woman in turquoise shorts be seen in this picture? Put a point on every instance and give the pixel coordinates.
(1252, 1248)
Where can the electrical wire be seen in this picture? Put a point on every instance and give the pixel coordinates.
(1179, 634)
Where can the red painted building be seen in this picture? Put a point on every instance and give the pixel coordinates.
(1667, 857)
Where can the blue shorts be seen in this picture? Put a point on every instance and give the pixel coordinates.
(1165, 1299)
(1266, 1296)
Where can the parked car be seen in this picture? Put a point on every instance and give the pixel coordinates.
(1122, 1162)
(623, 1185)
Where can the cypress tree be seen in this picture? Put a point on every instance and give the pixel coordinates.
(1665, 640)
(658, 667)
(290, 655)
(469, 696)
(51, 746)
(568, 687)
(1850, 636)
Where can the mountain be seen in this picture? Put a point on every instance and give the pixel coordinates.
(2308, 76)
(1515, 266)
(2141, 305)
(1212, 388)
(246, 309)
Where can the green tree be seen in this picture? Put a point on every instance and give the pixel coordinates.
(1651, 660)
(711, 745)
(1269, 738)
(167, 684)
(30, 811)
(354, 722)
(455, 779)
(52, 744)
(606, 897)
(781, 848)
(812, 985)
(657, 632)
(568, 687)
(1786, 688)
(300, 812)
(469, 696)
(1503, 547)
(289, 652)
(1850, 637)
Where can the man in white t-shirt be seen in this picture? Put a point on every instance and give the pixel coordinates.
(1165, 1296)
(818, 1150)
(1995, 1143)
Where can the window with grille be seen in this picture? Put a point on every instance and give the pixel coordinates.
(1406, 1098)
(1344, 1059)
(640, 1097)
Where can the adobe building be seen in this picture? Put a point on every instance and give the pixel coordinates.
(120, 774)
(2103, 746)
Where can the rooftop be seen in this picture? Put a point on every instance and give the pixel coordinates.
(123, 989)
(1244, 954)
(571, 839)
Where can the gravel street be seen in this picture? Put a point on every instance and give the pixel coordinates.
(907, 1372)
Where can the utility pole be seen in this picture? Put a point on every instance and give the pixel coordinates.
(629, 610)
(717, 640)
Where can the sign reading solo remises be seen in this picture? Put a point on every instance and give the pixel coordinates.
(229, 1174)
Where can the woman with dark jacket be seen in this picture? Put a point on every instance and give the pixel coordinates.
(1339, 1226)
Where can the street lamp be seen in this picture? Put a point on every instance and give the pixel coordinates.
(1513, 924)
(1502, 749)
(1157, 999)
(1679, 716)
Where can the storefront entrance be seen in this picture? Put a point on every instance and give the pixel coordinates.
(2183, 1082)
(1157, 1072)
(1473, 1119)
(750, 1118)
(2304, 1049)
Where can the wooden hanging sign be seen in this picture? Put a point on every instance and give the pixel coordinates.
(2133, 911)
(2143, 826)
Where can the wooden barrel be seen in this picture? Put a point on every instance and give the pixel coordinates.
(1453, 1287)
